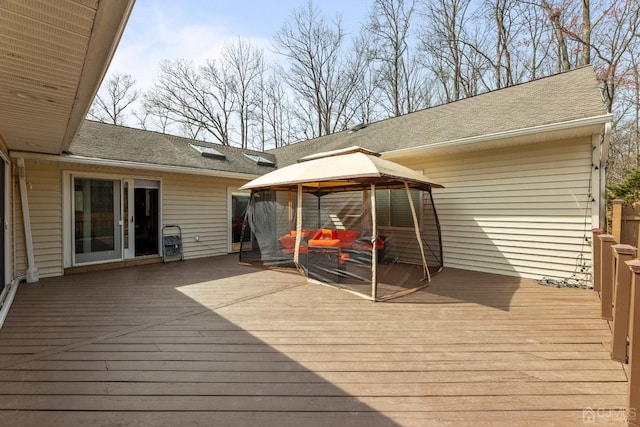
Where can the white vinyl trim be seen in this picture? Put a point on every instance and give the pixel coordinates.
(147, 167)
(572, 124)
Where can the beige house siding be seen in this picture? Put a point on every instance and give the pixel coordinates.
(199, 207)
(197, 204)
(521, 211)
(44, 191)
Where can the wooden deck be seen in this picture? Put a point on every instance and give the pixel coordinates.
(209, 342)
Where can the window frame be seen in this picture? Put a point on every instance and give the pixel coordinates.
(386, 192)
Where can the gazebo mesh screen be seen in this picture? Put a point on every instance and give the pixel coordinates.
(337, 235)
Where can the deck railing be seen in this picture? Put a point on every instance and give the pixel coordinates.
(616, 278)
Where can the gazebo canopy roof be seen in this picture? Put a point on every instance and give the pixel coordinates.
(341, 170)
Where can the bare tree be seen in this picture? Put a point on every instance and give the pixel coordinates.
(503, 65)
(245, 65)
(389, 23)
(150, 118)
(199, 99)
(120, 94)
(536, 55)
(623, 82)
(442, 42)
(605, 28)
(276, 111)
(555, 15)
(614, 34)
(318, 72)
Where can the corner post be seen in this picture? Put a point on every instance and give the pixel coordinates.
(633, 390)
(606, 275)
(623, 277)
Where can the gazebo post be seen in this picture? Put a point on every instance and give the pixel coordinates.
(374, 249)
(416, 226)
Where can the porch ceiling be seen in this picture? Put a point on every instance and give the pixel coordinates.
(53, 57)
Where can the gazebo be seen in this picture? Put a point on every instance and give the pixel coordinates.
(348, 219)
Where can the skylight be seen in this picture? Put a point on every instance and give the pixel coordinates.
(260, 161)
(208, 152)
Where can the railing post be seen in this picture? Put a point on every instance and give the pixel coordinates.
(596, 245)
(622, 254)
(633, 391)
(616, 218)
(606, 275)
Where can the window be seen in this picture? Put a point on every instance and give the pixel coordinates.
(260, 161)
(393, 209)
(208, 152)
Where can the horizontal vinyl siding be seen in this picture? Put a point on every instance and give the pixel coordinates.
(197, 204)
(199, 207)
(44, 191)
(519, 211)
(403, 244)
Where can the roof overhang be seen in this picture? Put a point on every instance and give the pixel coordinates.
(71, 160)
(55, 57)
(538, 134)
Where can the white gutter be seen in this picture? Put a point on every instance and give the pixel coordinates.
(32, 270)
(589, 121)
(92, 161)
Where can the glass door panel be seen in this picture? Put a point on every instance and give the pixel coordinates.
(146, 221)
(125, 215)
(97, 234)
(239, 204)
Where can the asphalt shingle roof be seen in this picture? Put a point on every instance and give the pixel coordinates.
(555, 99)
(106, 141)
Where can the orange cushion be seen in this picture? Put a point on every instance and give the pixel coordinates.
(328, 233)
(287, 241)
(347, 236)
(324, 242)
(314, 233)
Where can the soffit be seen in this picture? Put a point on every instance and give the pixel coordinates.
(53, 56)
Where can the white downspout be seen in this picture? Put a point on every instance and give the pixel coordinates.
(32, 270)
(604, 160)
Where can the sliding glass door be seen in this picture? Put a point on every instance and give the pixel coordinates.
(97, 220)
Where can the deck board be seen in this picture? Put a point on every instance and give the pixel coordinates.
(211, 342)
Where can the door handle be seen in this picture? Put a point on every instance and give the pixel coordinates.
(131, 219)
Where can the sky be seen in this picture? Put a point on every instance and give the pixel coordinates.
(198, 29)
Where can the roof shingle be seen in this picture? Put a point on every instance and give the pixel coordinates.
(119, 143)
(555, 99)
